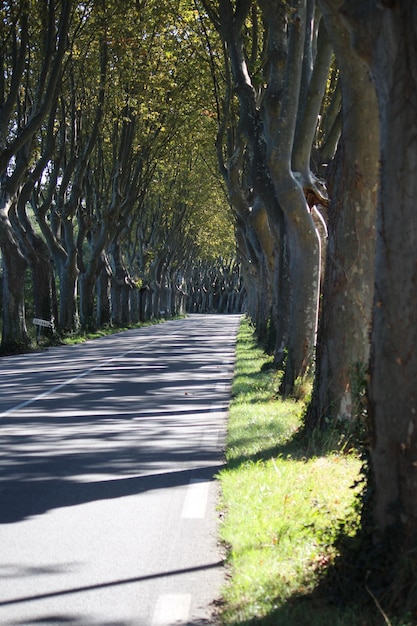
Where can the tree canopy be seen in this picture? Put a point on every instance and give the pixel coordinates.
(108, 179)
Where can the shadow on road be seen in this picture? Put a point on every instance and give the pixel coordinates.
(143, 418)
(76, 620)
(107, 585)
(23, 499)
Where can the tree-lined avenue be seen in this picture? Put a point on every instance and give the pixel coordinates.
(109, 451)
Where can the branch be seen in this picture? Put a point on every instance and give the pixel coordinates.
(49, 95)
(241, 13)
(211, 12)
(285, 130)
(18, 69)
(307, 124)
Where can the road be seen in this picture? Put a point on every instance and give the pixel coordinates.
(108, 453)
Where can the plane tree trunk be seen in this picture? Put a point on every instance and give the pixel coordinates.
(14, 332)
(343, 337)
(103, 292)
(31, 243)
(386, 36)
(40, 265)
(121, 286)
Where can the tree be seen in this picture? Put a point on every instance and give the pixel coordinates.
(289, 34)
(120, 108)
(254, 238)
(117, 120)
(385, 35)
(344, 327)
(268, 164)
(30, 79)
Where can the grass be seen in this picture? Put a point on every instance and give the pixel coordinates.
(80, 336)
(283, 501)
(45, 340)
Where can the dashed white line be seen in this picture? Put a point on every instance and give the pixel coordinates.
(171, 608)
(195, 502)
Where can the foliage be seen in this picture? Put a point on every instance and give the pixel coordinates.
(120, 174)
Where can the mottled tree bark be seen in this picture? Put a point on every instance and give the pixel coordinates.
(343, 338)
(385, 33)
(387, 37)
(120, 288)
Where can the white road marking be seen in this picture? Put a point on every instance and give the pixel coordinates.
(171, 608)
(195, 502)
(56, 388)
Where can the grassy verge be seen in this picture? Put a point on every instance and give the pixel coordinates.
(80, 336)
(45, 340)
(283, 500)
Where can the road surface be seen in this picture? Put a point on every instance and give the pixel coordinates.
(108, 454)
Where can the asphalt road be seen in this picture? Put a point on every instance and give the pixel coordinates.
(108, 457)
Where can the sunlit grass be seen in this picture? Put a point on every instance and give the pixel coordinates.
(81, 336)
(279, 514)
(282, 505)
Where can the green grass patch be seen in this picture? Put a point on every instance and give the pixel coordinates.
(283, 501)
(81, 336)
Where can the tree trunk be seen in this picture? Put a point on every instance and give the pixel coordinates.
(44, 293)
(120, 288)
(87, 283)
(103, 290)
(385, 33)
(134, 305)
(156, 298)
(14, 333)
(255, 277)
(250, 189)
(145, 314)
(394, 337)
(302, 242)
(37, 255)
(304, 277)
(68, 280)
(343, 337)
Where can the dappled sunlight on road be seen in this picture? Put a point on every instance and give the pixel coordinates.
(155, 407)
